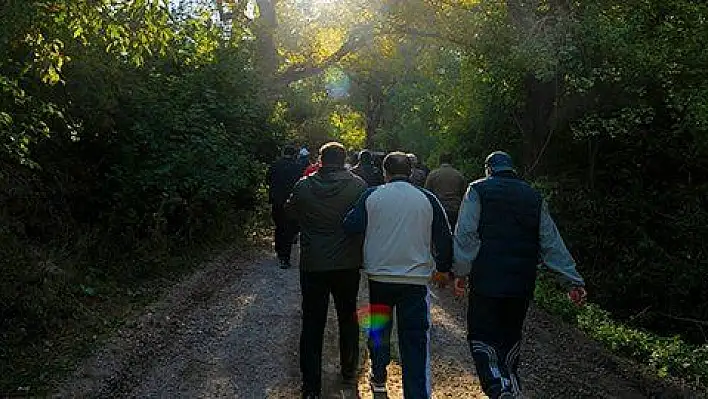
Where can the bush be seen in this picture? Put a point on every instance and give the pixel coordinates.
(638, 242)
(119, 173)
(669, 356)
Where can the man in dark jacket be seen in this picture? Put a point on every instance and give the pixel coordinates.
(367, 171)
(282, 176)
(418, 174)
(503, 230)
(329, 264)
(449, 185)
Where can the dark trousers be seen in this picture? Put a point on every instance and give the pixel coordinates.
(316, 288)
(411, 304)
(285, 231)
(494, 333)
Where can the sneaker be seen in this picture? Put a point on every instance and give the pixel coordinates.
(507, 395)
(378, 389)
(285, 264)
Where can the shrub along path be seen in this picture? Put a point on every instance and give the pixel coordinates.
(232, 328)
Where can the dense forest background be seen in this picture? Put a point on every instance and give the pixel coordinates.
(133, 131)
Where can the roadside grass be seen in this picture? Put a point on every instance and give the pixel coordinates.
(668, 356)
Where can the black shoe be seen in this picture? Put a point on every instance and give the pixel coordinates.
(310, 395)
(349, 388)
(285, 264)
(349, 381)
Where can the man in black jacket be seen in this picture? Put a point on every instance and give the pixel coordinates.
(282, 176)
(367, 171)
(329, 263)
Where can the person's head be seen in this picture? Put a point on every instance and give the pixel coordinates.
(333, 154)
(498, 161)
(289, 151)
(365, 157)
(353, 157)
(445, 157)
(413, 159)
(396, 165)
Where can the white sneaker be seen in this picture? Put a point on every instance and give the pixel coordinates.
(378, 389)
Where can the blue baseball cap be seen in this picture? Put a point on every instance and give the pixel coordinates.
(499, 161)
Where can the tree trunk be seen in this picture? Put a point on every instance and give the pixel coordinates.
(265, 27)
(373, 112)
(537, 122)
(537, 119)
(593, 150)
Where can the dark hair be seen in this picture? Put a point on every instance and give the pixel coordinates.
(397, 164)
(333, 154)
(365, 156)
(289, 151)
(353, 157)
(445, 157)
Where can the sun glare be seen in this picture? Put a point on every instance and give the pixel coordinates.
(317, 2)
(314, 6)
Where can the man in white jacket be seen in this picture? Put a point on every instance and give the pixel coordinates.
(402, 223)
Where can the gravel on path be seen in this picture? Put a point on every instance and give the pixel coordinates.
(232, 329)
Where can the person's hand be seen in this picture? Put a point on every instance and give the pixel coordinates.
(441, 279)
(460, 287)
(578, 295)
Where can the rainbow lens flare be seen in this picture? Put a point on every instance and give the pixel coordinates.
(373, 320)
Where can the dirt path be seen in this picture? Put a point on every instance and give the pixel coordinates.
(232, 330)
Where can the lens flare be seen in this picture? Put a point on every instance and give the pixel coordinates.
(374, 320)
(338, 84)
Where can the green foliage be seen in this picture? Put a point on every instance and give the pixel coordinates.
(132, 137)
(599, 103)
(668, 356)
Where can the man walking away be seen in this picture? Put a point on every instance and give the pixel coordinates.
(449, 185)
(418, 174)
(503, 229)
(366, 169)
(400, 221)
(352, 160)
(330, 260)
(282, 176)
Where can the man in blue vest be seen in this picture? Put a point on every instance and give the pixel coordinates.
(504, 229)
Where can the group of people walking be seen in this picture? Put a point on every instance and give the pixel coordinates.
(399, 234)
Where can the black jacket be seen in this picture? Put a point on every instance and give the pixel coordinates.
(319, 203)
(282, 176)
(370, 173)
